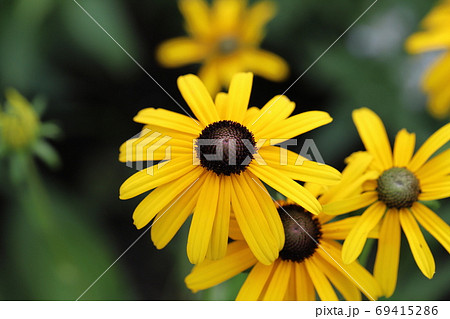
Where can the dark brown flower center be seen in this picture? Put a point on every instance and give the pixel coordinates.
(225, 147)
(398, 188)
(302, 232)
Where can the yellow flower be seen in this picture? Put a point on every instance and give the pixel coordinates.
(309, 262)
(400, 181)
(19, 123)
(436, 36)
(225, 39)
(193, 181)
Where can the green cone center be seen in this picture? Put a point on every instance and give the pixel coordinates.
(228, 45)
(398, 188)
(302, 233)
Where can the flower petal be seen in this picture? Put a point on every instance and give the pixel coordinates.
(374, 136)
(209, 74)
(197, 17)
(210, 273)
(341, 282)
(155, 176)
(357, 237)
(255, 282)
(162, 196)
(256, 17)
(226, 15)
(278, 284)
(320, 281)
(404, 148)
(438, 228)
(203, 219)
(435, 190)
(252, 221)
(265, 64)
(277, 109)
(432, 144)
(340, 229)
(170, 219)
(295, 125)
(180, 51)
(435, 168)
(419, 247)
(286, 186)
(306, 171)
(350, 204)
(169, 119)
(238, 96)
(303, 283)
(388, 253)
(219, 237)
(428, 41)
(198, 98)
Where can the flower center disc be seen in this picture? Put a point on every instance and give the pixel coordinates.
(398, 188)
(225, 147)
(300, 228)
(228, 45)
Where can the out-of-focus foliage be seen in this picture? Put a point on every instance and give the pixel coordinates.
(61, 229)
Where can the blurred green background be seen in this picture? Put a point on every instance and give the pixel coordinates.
(63, 227)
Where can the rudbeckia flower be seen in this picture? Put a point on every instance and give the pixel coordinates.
(400, 181)
(225, 39)
(194, 180)
(435, 37)
(310, 261)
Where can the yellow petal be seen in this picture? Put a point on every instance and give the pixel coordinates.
(436, 190)
(432, 144)
(439, 104)
(331, 252)
(435, 168)
(404, 148)
(438, 228)
(268, 207)
(252, 222)
(320, 281)
(295, 125)
(169, 119)
(436, 78)
(419, 247)
(170, 219)
(257, 16)
(340, 229)
(238, 96)
(209, 74)
(221, 104)
(374, 136)
(227, 15)
(279, 283)
(197, 16)
(388, 252)
(162, 196)
(306, 171)
(357, 237)
(180, 51)
(286, 186)
(342, 283)
(265, 64)
(219, 237)
(277, 109)
(234, 231)
(198, 98)
(350, 204)
(210, 273)
(303, 283)
(203, 219)
(255, 282)
(155, 176)
(428, 41)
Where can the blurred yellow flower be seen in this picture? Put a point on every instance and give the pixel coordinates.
(400, 181)
(436, 36)
(310, 261)
(19, 123)
(225, 39)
